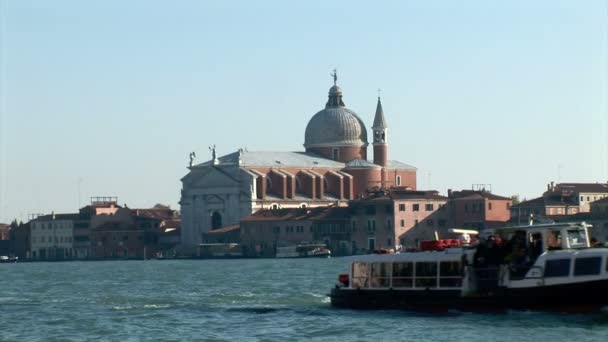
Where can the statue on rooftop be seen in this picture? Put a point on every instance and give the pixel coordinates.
(192, 156)
(335, 76)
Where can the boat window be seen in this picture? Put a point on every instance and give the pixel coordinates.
(426, 274)
(402, 274)
(380, 274)
(557, 268)
(587, 266)
(360, 274)
(577, 238)
(450, 274)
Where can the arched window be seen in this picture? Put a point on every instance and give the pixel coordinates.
(298, 184)
(275, 206)
(268, 183)
(216, 220)
(398, 180)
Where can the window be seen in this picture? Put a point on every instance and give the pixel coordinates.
(416, 222)
(426, 274)
(450, 273)
(389, 225)
(557, 268)
(416, 207)
(336, 153)
(360, 275)
(398, 180)
(587, 266)
(380, 274)
(581, 198)
(401, 207)
(216, 220)
(389, 242)
(276, 230)
(371, 226)
(402, 223)
(402, 274)
(466, 207)
(429, 207)
(489, 205)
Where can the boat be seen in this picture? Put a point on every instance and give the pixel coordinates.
(7, 259)
(547, 267)
(219, 250)
(303, 251)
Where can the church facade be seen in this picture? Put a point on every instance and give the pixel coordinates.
(333, 169)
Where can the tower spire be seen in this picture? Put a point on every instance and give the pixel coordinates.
(380, 130)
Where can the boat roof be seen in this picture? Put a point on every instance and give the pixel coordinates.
(544, 226)
(449, 254)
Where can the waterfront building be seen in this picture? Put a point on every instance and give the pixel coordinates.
(600, 206)
(559, 200)
(130, 233)
(82, 225)
(478, 209)
(333, 169)
(51, 237)
(397, 218)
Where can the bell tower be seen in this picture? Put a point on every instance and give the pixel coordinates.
(380, 134)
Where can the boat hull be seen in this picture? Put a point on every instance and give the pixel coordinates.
(578, 297)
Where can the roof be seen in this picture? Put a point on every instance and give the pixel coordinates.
(477, 194)
(360, 163)
(400, 194)
(274, 158)
(546, 201)
(379, 120)
(397, 165)
(223, 230)
(49, 217)
(335, 124)
(583, 187)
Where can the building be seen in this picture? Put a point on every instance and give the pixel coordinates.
(559, 200)
(82, 225)
(397, 218)
(131, 233)
(20, 241)
(478, 209)
(51, 237)
(5, 239)
(334, 168)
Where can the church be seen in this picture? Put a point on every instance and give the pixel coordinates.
(333, 169)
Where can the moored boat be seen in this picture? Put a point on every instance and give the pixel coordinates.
(303, 251)
(539, 267)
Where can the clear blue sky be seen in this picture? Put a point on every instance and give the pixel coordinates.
(111, 96)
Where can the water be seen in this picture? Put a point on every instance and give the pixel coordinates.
(263, 300)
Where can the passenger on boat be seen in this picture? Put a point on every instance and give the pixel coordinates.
(537, 246)
(554, 241)
(488, 253)
(518, 257)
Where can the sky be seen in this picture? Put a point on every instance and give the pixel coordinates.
(108, 98)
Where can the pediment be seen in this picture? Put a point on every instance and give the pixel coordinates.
(210, 177)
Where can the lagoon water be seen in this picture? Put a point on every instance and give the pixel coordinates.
(249, 300)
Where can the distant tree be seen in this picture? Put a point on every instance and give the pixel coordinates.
(161, 206)
(515, 199)
(14, 224)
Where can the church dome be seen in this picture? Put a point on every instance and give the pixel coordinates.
(335, 125)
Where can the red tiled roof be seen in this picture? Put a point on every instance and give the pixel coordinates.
(225, 229)
(471, 194)
(583, 187)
